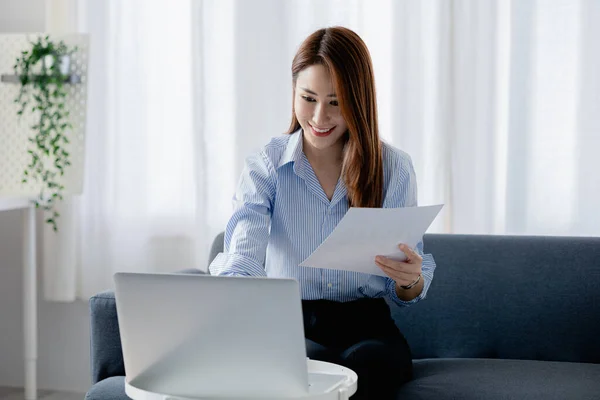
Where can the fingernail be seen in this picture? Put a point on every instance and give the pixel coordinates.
(378, 258)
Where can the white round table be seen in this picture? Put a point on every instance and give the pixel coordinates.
(343, 392)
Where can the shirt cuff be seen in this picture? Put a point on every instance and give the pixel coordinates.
(235, 265)
(391, 289)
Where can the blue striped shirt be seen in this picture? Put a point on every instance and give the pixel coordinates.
(281, 215)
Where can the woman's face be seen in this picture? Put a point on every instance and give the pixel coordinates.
(317, 109)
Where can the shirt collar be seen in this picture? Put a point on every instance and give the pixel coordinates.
(293, 150)
(294, 154)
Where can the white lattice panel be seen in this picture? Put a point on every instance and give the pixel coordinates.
(14, 131)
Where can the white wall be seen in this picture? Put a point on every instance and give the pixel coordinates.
(63, 329)
(22, 16)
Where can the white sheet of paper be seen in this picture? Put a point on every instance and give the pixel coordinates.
(365, 233)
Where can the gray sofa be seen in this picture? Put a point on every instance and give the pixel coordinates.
(507, 317)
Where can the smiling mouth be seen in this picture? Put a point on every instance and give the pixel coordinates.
(321, 132)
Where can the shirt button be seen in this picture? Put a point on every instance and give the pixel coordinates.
(329, 285)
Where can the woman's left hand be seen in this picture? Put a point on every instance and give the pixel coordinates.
(402, 272)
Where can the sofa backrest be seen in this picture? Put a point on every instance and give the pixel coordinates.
(516, 297)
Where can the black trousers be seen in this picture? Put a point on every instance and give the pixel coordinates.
(360, 335)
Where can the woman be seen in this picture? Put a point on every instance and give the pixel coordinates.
(293, 193)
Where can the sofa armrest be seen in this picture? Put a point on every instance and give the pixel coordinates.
(106, 352)
(105, 340)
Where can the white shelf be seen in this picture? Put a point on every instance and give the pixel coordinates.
(14, 203)
(13, 78)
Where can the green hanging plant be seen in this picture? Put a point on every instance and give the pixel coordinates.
(42, 72)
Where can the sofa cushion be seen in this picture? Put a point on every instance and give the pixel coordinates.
(491, 379)
(112, 388)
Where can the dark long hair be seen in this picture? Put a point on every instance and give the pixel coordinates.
(343, 53)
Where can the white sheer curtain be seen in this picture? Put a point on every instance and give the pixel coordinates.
(139, 210)
(498, 103)
(139, 207)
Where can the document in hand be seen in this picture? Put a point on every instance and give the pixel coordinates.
(364, 233)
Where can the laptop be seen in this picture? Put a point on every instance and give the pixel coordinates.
(209, 336)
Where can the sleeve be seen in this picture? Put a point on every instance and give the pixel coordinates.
(404, 194)
(247, 232)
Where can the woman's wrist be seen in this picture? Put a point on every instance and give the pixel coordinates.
(411, 285)
(413, 292)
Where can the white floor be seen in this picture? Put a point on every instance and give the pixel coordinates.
(7, 393)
